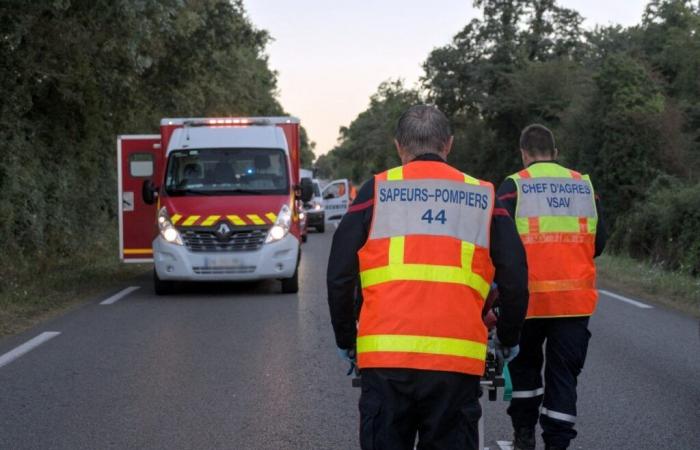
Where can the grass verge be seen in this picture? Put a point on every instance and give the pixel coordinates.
(38, 294)
(649, 282)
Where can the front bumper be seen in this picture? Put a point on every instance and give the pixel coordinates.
(273, 260)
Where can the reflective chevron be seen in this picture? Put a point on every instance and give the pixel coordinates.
(236, 219)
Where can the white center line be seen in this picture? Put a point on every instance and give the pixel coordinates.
(119, 295)
(625, 299)
(28, 346)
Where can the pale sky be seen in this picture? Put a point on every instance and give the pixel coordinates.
(331, 55)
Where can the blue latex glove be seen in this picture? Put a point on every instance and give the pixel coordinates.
(507, 354)
(349, 355)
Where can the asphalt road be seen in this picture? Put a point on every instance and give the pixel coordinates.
(244, 367)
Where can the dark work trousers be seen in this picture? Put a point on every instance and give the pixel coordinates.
(566, 343)
(441, 408)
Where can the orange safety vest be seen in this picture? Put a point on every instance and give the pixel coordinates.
(426, 271)
(556, 218)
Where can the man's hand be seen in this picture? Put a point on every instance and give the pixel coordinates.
(349, 355)
(507, 354)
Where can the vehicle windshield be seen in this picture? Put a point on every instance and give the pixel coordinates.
(317, 189)
(227, 171)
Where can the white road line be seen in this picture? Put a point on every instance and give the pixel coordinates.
(625, 299)
(505, 445)
(28, 346)
(119, 295)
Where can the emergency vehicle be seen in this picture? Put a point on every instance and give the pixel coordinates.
(213, 199)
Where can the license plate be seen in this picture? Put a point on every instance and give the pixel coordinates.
(211, 262)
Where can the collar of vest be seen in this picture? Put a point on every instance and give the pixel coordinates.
(552, 161)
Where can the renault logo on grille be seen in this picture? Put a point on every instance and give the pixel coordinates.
(223, 232)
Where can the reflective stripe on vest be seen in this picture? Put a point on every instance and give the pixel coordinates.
(425, 271)
(557, 220)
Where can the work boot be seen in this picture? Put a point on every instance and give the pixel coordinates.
(524, 439)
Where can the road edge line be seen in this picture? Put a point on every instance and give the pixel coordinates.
(622, 298)
(28, 346)
(119, 295)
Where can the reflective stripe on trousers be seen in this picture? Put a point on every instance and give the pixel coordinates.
(556, 415)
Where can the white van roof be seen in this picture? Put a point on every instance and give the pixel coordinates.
(265, 136)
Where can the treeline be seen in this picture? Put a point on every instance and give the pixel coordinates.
(73, 75)
(624, 104)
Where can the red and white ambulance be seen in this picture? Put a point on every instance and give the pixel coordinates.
(213, 199)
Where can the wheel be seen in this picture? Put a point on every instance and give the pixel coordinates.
(321, 228)
(162, 287)
(291, 285)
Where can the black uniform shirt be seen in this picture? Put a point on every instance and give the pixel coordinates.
(507, 254)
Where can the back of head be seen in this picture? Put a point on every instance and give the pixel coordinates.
(423, 129)
(538, 141)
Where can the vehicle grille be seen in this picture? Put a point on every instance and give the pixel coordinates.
(239, 240)
(223, 270)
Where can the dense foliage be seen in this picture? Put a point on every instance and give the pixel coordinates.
(74, 74)
(624, 104)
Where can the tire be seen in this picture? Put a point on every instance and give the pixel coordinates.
(291, 285)
(162, 287)
(321, 228)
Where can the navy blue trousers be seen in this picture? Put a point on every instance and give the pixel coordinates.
(441, 408)
(560, 344)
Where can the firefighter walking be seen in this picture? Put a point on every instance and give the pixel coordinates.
(426, 242)
(558, 218)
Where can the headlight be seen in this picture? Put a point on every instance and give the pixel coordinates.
(301, 216)
(167, 229)
(317, 207)
(281, 227)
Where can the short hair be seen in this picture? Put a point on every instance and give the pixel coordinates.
(423, 129)
(537, 140)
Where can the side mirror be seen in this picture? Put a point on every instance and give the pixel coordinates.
(307, 190)
(328, 196)
(149, 192)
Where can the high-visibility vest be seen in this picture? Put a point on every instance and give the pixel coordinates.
(556, 218)
(426, 270)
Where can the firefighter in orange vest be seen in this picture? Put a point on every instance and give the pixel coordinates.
(426, 241)
(558, 218)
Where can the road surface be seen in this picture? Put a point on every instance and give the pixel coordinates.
(244, 367)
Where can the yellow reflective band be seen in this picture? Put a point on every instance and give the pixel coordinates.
(395, 174)
(560, 285)
(556, 224)
(190, 220)
(427, 273)
(272, 217)
(235, 219)
(471, 180)
(138, 251)
(422, 344)
(467, 255)
(210, 220)
(522, 224)
(256, 219)
(175, 218)
(549, 169)
(592, 225)
(396, 249)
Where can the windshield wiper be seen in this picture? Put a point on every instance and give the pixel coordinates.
(191, 191)
(243, 191)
